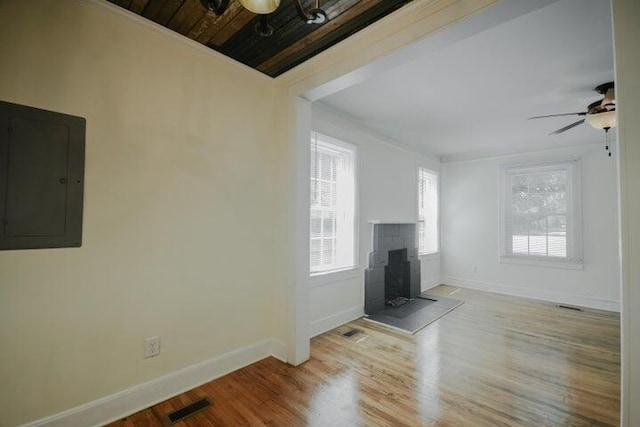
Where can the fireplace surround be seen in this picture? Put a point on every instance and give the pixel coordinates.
(394, 266)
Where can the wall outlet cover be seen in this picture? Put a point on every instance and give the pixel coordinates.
(152, 347)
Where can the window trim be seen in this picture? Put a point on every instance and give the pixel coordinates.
(574, 259)
(427, 255)
(323, 278)
(327, 276)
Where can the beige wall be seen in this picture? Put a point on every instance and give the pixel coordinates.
(178, 237)
(626, 16)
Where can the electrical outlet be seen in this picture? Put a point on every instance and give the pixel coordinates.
(152, 347)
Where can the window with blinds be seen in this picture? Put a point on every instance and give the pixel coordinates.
(332, 204)
(541, 211)
(428, 239)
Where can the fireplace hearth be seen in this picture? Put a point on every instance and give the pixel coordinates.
(394, 267)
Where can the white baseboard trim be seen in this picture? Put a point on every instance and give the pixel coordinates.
(556, 297)
(333, 321)
(278, 349)
(126, 402)
(430, 283)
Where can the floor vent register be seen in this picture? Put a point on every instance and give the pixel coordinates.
(188, 410)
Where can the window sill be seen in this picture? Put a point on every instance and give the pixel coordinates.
(326, 278)
(434, 255)
(541, 262)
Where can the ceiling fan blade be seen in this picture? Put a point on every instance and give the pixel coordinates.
(559, 115)
(566, 128)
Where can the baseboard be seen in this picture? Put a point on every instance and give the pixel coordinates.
(330, 322)
(278, 349)
(113, 407)
(431, 283)
(556, 297)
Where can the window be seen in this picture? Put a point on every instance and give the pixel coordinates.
(541, 212)
(332, 204)
(427, 211)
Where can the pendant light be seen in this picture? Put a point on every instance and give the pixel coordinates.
(261, 7)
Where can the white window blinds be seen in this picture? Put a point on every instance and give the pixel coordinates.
(541, 211)
(428, 239)
(332, 204)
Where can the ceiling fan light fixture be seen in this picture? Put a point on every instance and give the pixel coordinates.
(261, 7)
(609, 99)
(604, 120)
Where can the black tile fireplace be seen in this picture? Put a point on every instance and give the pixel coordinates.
(394, 266)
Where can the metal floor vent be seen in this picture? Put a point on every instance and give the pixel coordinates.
(188, 410)
(569, 307)
(351, 332)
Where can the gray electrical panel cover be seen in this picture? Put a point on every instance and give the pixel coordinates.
(41, 178)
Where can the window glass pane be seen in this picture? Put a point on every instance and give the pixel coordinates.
(536, 214)
(316, 223)
(326, 194)
(315, 253)
(427, 226)
(328, 251)
(328, 224)
(520, 244)
(538, 237)
(326, 166)
(332, 213)
(313, 192)
(314, 163)
(558, 235)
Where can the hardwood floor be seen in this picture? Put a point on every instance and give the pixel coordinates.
(494, 361)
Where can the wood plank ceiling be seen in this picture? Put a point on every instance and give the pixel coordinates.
(233, 33)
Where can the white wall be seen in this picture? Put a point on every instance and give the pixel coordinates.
(177, 168)
(471, 232)
(626, 36)
(387, 179)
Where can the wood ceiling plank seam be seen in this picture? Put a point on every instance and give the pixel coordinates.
(153, 8)
(211, 23)
(233, 26)
(284, 36)
(330, 39)
(138, 6)
(124, 3)
(202, 25)
(190, 12)
(338, 8)
(337, 36)
(168, 11)
(178, 16)
(290, 36)
(191, 22)
(333, 25)
(350, 13)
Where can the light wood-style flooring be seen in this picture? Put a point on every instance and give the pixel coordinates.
(495, 361)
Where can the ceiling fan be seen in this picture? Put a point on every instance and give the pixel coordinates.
(600, 114)
(313, 15)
